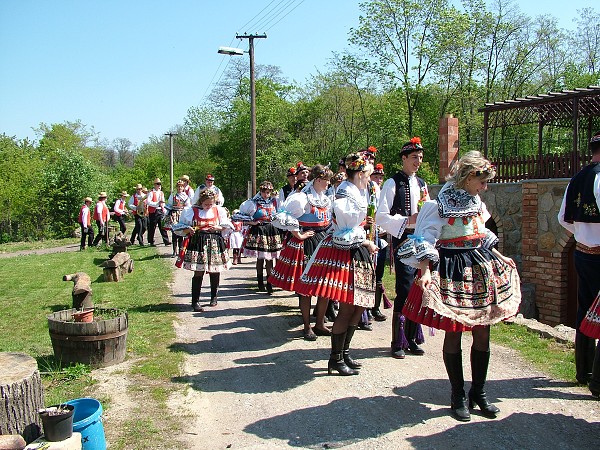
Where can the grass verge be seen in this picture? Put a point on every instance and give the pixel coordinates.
(11, 247)
(32, 288)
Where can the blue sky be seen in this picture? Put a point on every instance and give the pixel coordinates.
(132, 68)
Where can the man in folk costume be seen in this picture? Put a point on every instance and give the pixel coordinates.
(85, 220)
(209, 183)
(580, 214)
(120, 210)
(286, 190)
(156, 211)
(101, 216)
(189, 191)
(137, 208)
(399, 203)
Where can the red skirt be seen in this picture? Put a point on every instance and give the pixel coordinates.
(590, 326)
(343, 275)
(413, 310)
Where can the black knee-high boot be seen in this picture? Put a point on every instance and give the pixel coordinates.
(412, 330)
(352, 363)
(594, 384)
(214, 287)
(376, 311)
(479, 367)
(336, 359)
(458, 401)
(196, 286)
(585, 350)
(259, 277)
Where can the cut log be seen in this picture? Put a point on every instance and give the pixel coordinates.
(21, 395)
(115, 268)
(82, 290)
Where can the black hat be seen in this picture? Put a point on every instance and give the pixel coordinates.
(414, 145)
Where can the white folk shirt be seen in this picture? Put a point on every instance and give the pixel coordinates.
(395, 225)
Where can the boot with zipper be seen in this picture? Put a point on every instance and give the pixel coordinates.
(352, 363)
(458, 400)
(479, 367)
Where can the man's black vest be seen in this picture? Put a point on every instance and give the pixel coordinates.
(580, 203)
(286, 190)
(401, 204)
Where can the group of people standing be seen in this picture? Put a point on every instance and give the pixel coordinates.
(325, 235)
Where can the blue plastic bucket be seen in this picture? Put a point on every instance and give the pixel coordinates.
(87, 420)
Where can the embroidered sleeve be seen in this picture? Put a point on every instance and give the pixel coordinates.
(247, 210)
(287, 215)
(185, 221)
(223, 219)
(421, 245)
(489, 240)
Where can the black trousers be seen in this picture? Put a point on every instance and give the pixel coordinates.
(121, 221)
(588, 273)
(154, 220)
(86, 232)
(405, 277)
(139, 229)
(102, 233)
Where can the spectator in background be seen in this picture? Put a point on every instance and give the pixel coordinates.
(85, 220)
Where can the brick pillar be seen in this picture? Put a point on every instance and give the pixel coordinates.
(447, 144)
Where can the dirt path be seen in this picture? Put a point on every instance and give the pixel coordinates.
(254, 383)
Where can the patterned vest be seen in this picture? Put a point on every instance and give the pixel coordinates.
(203, 223)
(402, 204)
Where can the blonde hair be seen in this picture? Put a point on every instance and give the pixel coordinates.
(471, 163)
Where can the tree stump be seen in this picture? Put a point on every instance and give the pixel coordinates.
(119, 244)
(115, 268)
(21, 395)
(82, 290)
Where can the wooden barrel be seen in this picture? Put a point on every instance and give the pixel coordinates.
(100, 343)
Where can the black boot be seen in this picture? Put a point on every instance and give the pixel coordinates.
(594, 384)
(269, 288)
(352, 363)
(196, 286)
(399, 342)
(458, 401)
(585, 351)
(336, 360)
(411, 329)
(261, 282)
(376, 311)
(214, 287)
(479, 366)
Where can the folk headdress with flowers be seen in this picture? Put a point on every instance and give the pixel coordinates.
(370, 152)
(378, 169)
(411, 146)
(291, 172)
(356, 162)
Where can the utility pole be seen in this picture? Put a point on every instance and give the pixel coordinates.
(171, 156)
(251, 38)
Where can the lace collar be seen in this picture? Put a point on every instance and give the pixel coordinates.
(454, 202)
(259, 200)
(318, 200)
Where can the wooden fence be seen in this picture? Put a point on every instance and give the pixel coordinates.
(519, 168)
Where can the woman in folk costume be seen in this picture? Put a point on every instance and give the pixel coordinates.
(236, 238)
(471, 284)
(175, 205)
(341, 268)
(204, 248)
(590, 326)
(307, 216)
(263, 240)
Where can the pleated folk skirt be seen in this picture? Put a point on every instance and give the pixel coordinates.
(204, 252)
(343, 275)
(263, 242)
(590, 326)
(470, 287)
(292, 260)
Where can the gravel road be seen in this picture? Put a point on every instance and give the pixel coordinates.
(255, 383)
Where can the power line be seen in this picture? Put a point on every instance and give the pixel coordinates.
(284, 16)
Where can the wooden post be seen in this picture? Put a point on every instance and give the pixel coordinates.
(21, 395)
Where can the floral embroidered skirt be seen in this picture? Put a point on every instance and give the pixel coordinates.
(590, 326)
(469, 288)
(262, 241)
(292, 259)
(342, 274)
(204, 252)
